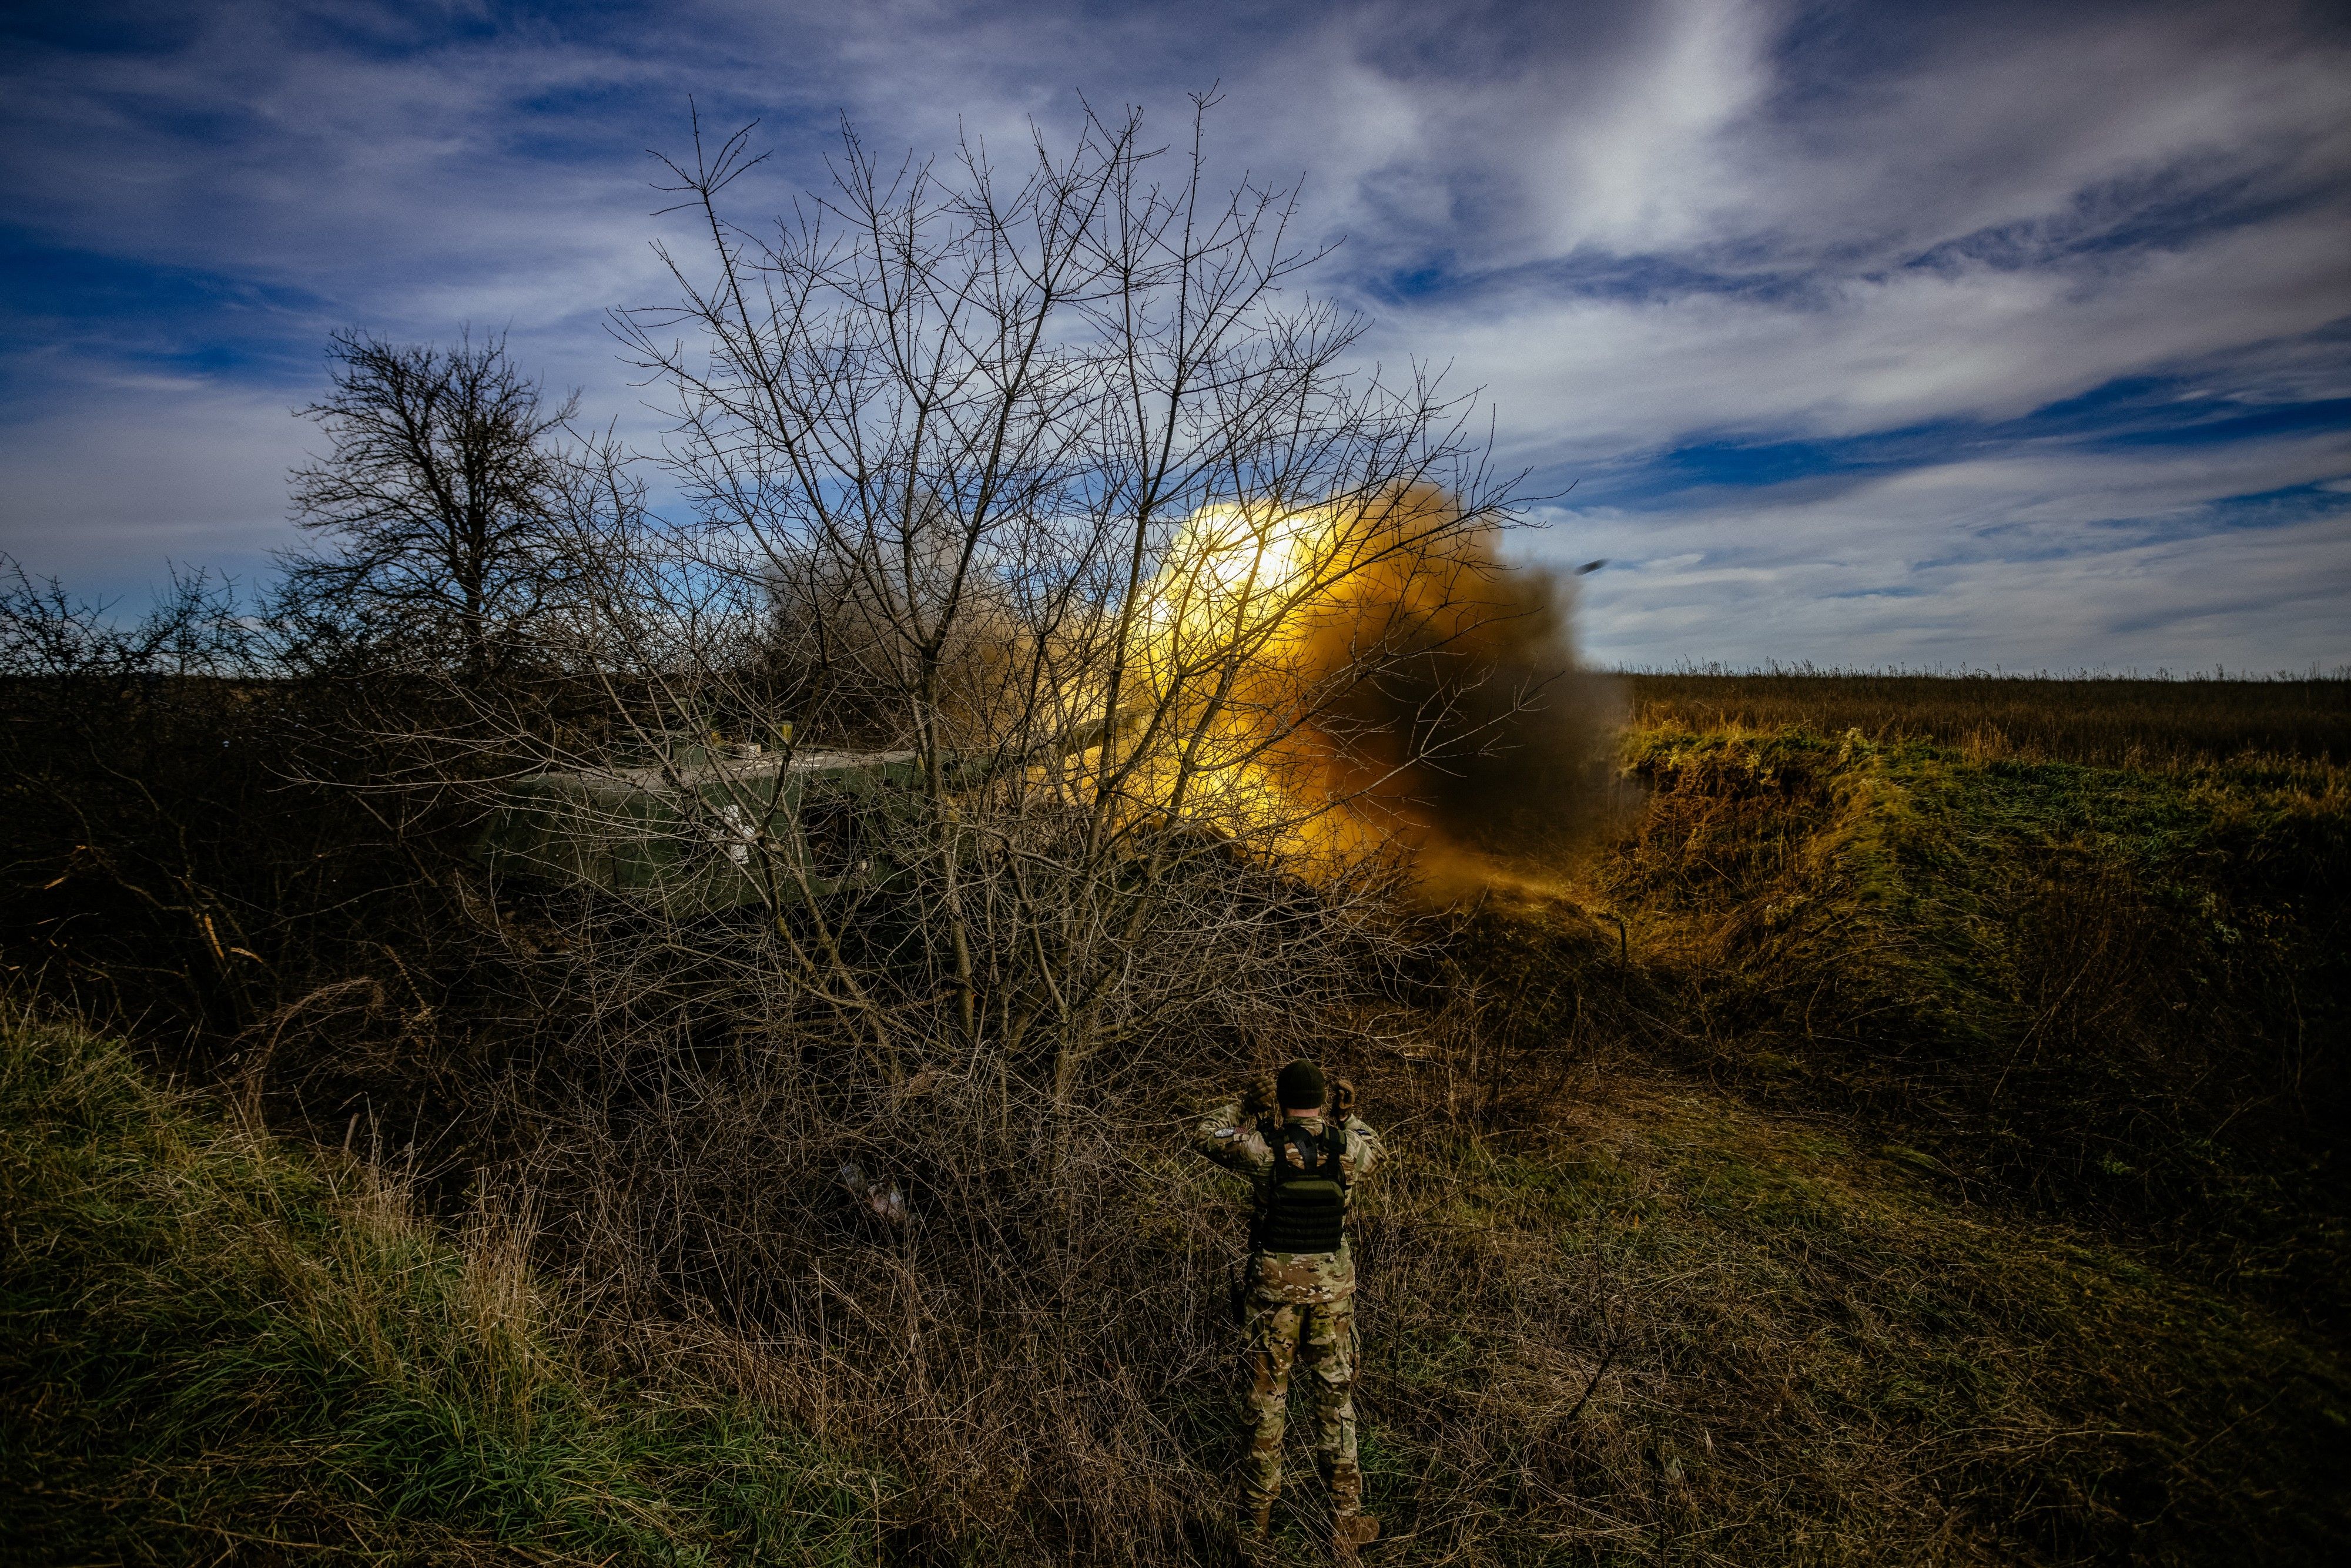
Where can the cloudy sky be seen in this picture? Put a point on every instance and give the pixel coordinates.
(1968, 335)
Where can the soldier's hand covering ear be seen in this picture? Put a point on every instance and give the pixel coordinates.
(1342, 1099)
(1256, 1095)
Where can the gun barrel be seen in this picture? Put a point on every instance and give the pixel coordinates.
(1093, 732)
(969, 772)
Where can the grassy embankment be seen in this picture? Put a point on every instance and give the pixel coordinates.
(2108, 968)
(217, 1348)
(1953, 1164)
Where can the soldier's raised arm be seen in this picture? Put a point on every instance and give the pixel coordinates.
(1226, 1132)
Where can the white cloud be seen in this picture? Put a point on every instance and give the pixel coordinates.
(2043, 557)
(131, 471)
(1685, 220)
(1595, 377)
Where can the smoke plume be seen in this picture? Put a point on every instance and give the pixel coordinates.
(1423, 686)
(1488, 748)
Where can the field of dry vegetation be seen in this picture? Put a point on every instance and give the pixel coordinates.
(1908, 1136)
(2100, 720)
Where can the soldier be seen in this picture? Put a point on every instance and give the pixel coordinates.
(1300, 1287)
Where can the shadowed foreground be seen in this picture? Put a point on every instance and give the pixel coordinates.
(1896, 1148)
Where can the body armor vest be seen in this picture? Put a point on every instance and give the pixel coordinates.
(1305, 1199)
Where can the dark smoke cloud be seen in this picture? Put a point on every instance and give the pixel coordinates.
(1488, 748)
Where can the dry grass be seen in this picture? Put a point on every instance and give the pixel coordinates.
(218, 1349)
(1664, 1327)
(1630, 1321)
(2086, 719)
(1842, 1184)
(2105, 993)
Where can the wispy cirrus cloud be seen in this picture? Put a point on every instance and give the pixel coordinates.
(2232, 551)
(1899, 330)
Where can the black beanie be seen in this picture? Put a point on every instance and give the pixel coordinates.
(1299, 1087)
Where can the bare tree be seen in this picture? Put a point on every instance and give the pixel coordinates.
(437, 503)
(990, 462)
(1050, 551)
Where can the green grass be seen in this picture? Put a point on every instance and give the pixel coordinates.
(2114, 989)
(1818, 1357)
(215, 1347)
(1952, 1159)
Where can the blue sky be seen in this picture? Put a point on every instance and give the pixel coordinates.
(1866, 334)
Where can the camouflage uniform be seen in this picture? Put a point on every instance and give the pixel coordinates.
(1296, 1301)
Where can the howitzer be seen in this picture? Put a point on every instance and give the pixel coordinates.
(707, 826)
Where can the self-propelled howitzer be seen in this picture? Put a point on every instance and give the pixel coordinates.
(711, 826)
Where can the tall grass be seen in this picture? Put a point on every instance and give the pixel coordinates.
(216, 1348)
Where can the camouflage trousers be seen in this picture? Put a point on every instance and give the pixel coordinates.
(1322, 1334)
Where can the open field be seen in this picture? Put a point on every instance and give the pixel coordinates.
(1902, 1146)
(2111, 722)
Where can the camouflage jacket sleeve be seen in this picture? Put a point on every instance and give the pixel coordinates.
(1231, 1139)
(1364, 1149)
(1234, 1140)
